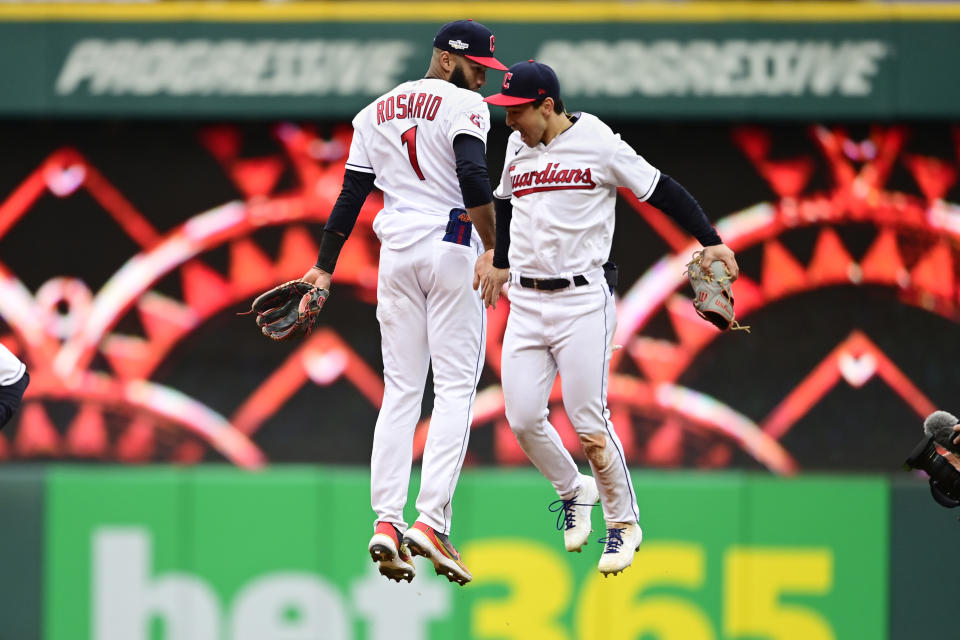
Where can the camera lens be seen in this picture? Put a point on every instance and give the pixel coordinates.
(920, 454)
(943, 477)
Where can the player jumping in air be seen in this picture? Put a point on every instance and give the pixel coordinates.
(423, 144)
(555, 218)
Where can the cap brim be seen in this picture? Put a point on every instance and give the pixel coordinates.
(489, 62)
(502, 100)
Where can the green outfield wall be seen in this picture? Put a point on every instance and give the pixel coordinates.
(696, 60)
(282, 555)
(215, 553)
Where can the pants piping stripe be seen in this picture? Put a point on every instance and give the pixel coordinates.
(603, 390)
(466, 432)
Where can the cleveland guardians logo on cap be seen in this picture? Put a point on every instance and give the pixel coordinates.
(526, 82)
(470, 39)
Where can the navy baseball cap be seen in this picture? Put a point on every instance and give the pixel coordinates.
(526, 82)
(471, 40)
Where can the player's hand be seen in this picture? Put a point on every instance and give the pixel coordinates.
(484, 263)
(493, 283)
(318, 278)
(956, 429)
(724, 254)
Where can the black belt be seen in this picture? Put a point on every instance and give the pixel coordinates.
(551, 284)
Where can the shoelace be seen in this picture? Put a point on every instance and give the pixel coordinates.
(613, 541)
(566, 518)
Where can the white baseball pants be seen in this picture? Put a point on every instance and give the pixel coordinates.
(429, 314)
(569, 331)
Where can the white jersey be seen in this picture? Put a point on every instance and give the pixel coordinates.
(564, 196)
(405, 138)
(11, 369)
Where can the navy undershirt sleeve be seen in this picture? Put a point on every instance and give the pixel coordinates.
(10, 397)
(472, 170)
(671, 198)
(357, 185)
(504, 209)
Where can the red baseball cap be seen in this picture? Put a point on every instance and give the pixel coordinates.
(470, 39)
(526, 82)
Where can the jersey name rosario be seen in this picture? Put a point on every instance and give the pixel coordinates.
(405, 138)
(413, 105)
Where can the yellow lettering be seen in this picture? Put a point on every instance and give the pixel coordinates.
(539, 590)
(613, 607)
(756, 578)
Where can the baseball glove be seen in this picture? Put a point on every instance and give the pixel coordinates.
(288, 310)
(712, 297)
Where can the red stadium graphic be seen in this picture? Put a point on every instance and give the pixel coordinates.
(70, 336)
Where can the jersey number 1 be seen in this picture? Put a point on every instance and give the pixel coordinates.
(409, 138)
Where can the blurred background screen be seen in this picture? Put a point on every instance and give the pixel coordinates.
(163, 162)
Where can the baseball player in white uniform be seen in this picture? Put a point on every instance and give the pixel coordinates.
(424, 145)
(555, 218)
(13, 382)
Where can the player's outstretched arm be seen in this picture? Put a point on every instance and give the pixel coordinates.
(671, 198)
(356, 187)
(10, 398)
(292, 309)
(11, 393)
